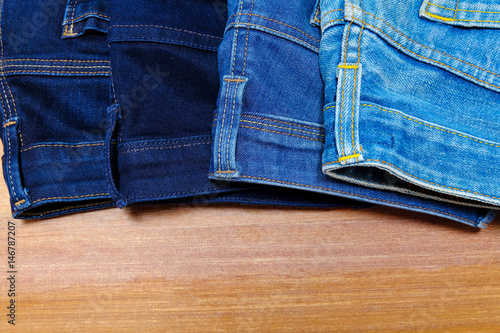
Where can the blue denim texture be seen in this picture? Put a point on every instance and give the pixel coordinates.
(54, 94)
(269, 118)
(165, 86)
(412, 97)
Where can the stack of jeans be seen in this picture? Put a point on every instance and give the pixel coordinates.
(331, 103)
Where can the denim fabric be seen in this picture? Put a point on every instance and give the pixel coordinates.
(268, 123)
(413, 98)
(165, 85)
(54, 92)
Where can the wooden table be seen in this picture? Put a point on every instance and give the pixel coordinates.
(252, 269)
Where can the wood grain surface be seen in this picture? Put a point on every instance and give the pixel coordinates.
(251, 269)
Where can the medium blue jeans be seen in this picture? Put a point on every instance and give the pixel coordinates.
(269, 118)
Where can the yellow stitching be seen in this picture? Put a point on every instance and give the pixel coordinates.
(353, 110)
(330, 107)
(445, 54)
(68, 209)
(56, 60)
(349, 157)
(290, 26)
(231, 125)
(434, 127)
(331, 11)
(9, 123)
(246, 45)
(234, 80)
(461, 10)
(456, 10)
(343, 88)
(88, 14)
(359, 196)
(418, 55)
(265, 130)
(348, 66)
(284, 122)
(442, 18)
(287, 128)
(64, 145)
(323, 26)
(57, 66)
(460, 20)
(279, 32)
(56, 72)
(222, 126)
(19, 202)
(73, 197)
(228, 171)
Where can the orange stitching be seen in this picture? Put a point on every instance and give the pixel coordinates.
(88, 14)
(163, 27)
(73, 197)
(287, 128)
(445, 54)
(227, 172)
(284, 122)
(330, 107)
(20, 202)
(60, 72)
(331, 11)
(57, 66)
(222, 126)
(231, 125)
(9, 123)
(287, 25)
(432, 126)
(64, 145)
(279, 32)
(56, 60)
(456, 10)
(359, 196)
(68, 208)
(234, 80)
(323, 26)
(246, 45)
(418, 55)
(298, 136)
(353, 110)
(460, 10)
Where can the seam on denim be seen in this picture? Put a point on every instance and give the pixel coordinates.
(10, 169)
(234, 80)
(348, 66)
(165, 40)
(424, 180)
(287, 128)
(449, 19)
(246, 51)
(63, 145)
(55, 72)
(282, 23)
(461, 10)
(284, 122)
(222, 126)
(361, 196)
(161, 148)
(182, 140)
(70, 33)
(341, 109)
(434, 127)
(429, 48)
(456, 10)
(72, 197)
(55, 60)
(231, 125)
(20, 202)
(295, 135)
(315, 19)
(276, 31)
(161, 27)
(57, 66)
(349, 157)
(330, 107)
(235, 42)
(435, 61)
(84, 15)
(331, 11)
(167, 195)
(227, 172)
(9, 123)
(68, 209)
(324, 25)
